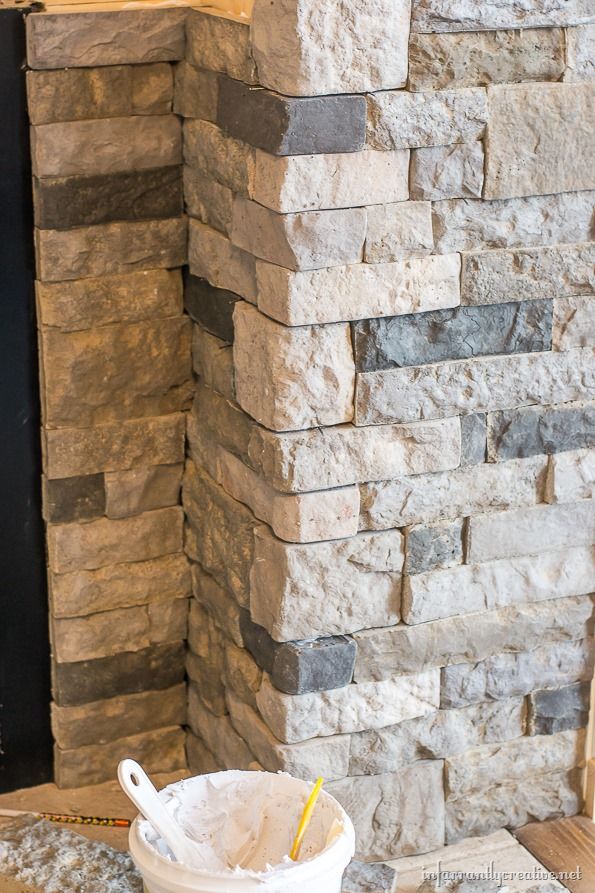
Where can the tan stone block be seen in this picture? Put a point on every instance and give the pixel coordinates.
(574, 322)
(142, 489)
(218, 734)
(216, 156)
(305, 376)
(196, 92)
(74, 547)
(220, 603)
(442, 172)
(205, 660)
(400, 230)
(208, 201)
(217, 421)
(580, 53)
(89, 251)
(103, 374)
(128, 444)
(84, 303)
(212, 360)
(200, 759)
(571, 476)
(243, 676)
(212, 256)
(220, 43)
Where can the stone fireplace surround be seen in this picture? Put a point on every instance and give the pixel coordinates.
(375, 378)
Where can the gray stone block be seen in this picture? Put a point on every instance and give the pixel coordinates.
(453, 334)
(473, 438)
(63, 202)
(369, 877)
(540, 430)
(150, 669)
(432, 546)
(285, 125)
(556, 710)
(74, 499)
(210, 307)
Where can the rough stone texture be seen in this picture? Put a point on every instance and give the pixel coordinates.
(331, 49)
(477, 58)
(142, 489)
(571, 476)
(205, 661)
(460, 333)
(218, 733)
(132, 297)
(242, 675)
(198, 756)
(478, 385)
(213, 363)
(580, 53)
(430, 497)
(574, 322)
(315, 182)
(208, 201)
(74, 547)
(218, 43)
(105, 146)
(385, 653)
(435, 736)
(353, 708)
(123, 585)
(396, 814)
(473, 438)
(462, 15)
(73, 94)
(210, 152)
(489, 277)
(535, 120)
(128, 444)
(220, 603)
(555, 710)
(511, 675)
(211, 256)
(535, 430)
(301, 591)
(398, 230)
(402, 120)
(125, 673)
(94, 723)
(73, 499)
(305, 241)
(211, 307)
(195, 93)
(430, 546)
(508, 581)
(443, 172)
(285, 126)
(366, 877)
(110, 248)
(305, 377)
(359, 291)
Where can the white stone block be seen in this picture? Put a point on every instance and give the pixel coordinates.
(466, 15)
(442, 172)
(571, 476)
(574, 322)
(398, 231)
(580, 53)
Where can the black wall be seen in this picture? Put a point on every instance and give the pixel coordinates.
(25, 738)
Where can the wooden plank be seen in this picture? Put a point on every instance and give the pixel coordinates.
(563, 846)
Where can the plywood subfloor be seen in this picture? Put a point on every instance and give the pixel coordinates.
(564, 845)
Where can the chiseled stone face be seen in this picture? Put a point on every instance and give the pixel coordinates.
(465, 15)
(212, 256)
(398, 230)
(77, 498)
(208, 201)
(366, 877)
(574, 322)
(430, 546)
(211, 307)
(555, 710)
(220, 44)
(474, 438)
(210, 152)
(195, 93)
(572, 476)
(441, 172)
(142, 489)
(539, 430)
(580, 53)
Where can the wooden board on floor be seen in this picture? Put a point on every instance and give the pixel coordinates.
(563, 846)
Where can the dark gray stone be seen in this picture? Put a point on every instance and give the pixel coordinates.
(65, 202)
(556, 710)
(433, 546)
(285, 125)
(303, 666)
(74, 499)
(540, 430)
(474, 435)
(455, 334)
(210, 307)
(150, 669)
(369, 877)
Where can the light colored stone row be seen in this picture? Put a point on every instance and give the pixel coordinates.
(353, 708)
(398, 231)
(384, 653)
(212, 256)
(530, 531)
(574, 322)
(219, 42)
(571, 476)
(496, 584)
(443, 172)
(580, 53)
(479, 385)
(464, 15)
(360, 291)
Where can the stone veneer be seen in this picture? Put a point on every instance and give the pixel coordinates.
(389, 484)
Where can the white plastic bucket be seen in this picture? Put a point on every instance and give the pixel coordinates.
(321, 864)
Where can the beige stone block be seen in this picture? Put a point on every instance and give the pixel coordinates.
(216, 422)
(580, 53)
(96, 722)
(540, 139)
(84, 303)
(478, 385)
(301, 591)
(398, 231)
(128, 444)
(196, 92)
(315, 182)
(571, 476)
(90, 251)
(212, 360)
(574, 322)
(79, 593)
(353, 708)
(142, 489)
(243, 676)
(218, 734)
(305, 241)
(74, 547)
(205, 660)
(199, 758)
(207, 200)
(220, 43)
(212, 256)
(114, 372)
(216, 156)
(447, 172)
(305, 376)
(465, 15)
(220, 604)
(359, 291)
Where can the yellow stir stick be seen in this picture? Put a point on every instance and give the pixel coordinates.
(305, 820)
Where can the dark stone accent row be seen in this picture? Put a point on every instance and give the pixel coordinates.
(74, 499)
(369, 877)
(474, 437)
(65, 202)
(539, 430)
(285, 125)
(210, 307)
(456, 334)
(556, 710)
(150, 669)
(299, 667)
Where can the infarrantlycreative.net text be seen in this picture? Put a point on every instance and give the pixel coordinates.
(491, 873)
